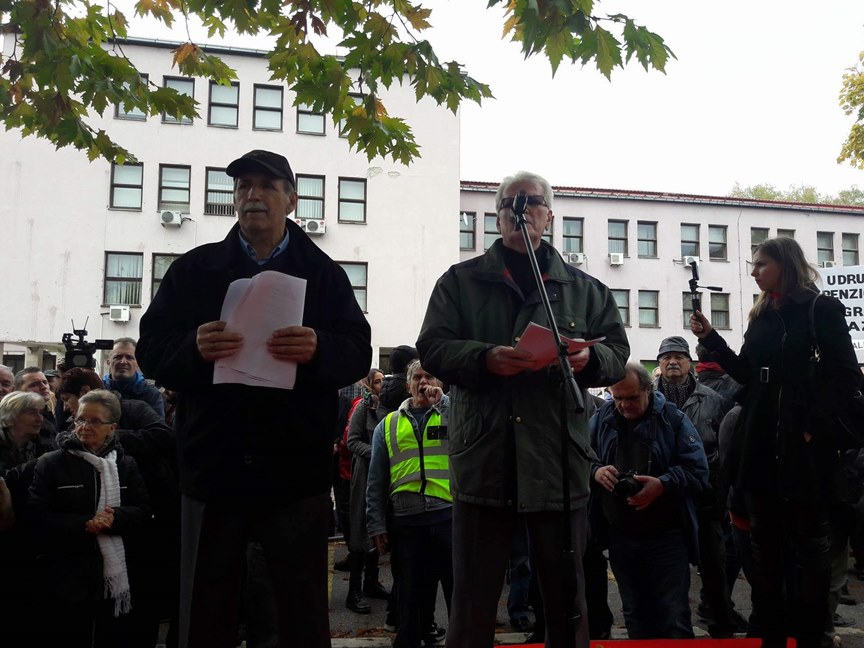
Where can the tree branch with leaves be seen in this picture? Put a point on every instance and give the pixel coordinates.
(68, 63)
(852, 102)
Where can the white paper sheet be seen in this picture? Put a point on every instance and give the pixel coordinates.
(255, 308)
(538, 340)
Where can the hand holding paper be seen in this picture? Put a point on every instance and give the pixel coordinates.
(537, 340)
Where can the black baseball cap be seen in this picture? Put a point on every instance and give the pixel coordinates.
(262, 161)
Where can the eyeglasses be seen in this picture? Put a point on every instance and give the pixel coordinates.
(79, 422)
(532, 201)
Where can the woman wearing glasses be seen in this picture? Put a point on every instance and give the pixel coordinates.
(87, 501)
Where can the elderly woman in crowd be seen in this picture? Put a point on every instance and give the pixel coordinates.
(86, 500)
(20, 422)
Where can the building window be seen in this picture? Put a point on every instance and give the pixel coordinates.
(758, 235)
(646, 239)
(547, 235)
(358, 275)
(220, 193)
(123, 272)
(127, 186)
(686, 309)
(309, 122)
(132, 113)
(719, 311)
(161, 262)
(174, 188)
(824, 247)
(622, 300)
(850, 249)
(787, 233)
(618, 237)
(689, 240)
(183, 86)
(572, 236)
(357, 99)
(649, 308)
(310, 197)
(490, 230)
(717, 250)
(224, 104)
(467, 231)
(268, 108)
(352, 200)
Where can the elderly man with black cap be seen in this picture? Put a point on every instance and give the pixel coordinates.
(254, 461)
(706, 409)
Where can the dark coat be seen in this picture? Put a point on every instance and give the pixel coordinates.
(768, 452)
(505, 443)
(360, 429)
(246, 445)
(63, 497)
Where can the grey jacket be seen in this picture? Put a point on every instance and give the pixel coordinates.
(706, 408)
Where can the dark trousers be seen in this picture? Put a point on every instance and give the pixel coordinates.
(783, 534)
(363, 566)
(213, 558)
(712, 570)
(653, 574)
(600, 617)
(424, 555)
(481, 547)
(519, 570)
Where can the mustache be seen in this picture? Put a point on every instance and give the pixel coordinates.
(255, 206)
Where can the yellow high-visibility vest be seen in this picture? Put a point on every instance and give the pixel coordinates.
(414, 468)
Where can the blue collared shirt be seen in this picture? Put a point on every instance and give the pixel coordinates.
(249, 250)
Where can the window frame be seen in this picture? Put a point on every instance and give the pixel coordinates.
(207, 191)
(105, 278)
(310, 198)
(724, 229)
(715, 310)
(170, 119)
(649, 241)
(256, 108)
(364, 289)
(353, 201)
(468, 229)
(490, 217)
(188, 190)
(303, 110)
(235, 106)
(844, 250)
(753, 232)
(567, 238)
(625, 318)
(820, 250)
(153, 285)
(135, 116)
(787, 233)
(697, 242)
(610, 238)
(655, 309)
(114, 185)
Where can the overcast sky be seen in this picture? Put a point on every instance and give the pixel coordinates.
(751, 98)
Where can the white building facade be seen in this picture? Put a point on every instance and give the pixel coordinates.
(85, 237)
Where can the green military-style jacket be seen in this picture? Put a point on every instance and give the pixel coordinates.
(505, 448)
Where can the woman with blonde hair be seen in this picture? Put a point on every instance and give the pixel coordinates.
(783, 453)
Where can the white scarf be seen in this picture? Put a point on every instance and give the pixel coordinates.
(111, 546)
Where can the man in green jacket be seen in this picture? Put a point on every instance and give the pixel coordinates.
(505, 448)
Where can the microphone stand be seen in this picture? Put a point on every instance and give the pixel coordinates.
(568, 556)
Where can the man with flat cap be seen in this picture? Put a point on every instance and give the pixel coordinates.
(254, 461)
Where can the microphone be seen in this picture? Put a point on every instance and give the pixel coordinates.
(520, 204)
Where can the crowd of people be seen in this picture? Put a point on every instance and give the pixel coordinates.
(204, 504)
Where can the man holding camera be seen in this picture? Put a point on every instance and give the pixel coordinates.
(651, 463)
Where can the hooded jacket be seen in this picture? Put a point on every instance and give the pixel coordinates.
(505, 442)
(137, 388)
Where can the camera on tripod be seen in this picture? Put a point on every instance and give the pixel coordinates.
(80, 352)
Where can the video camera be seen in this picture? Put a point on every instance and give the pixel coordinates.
(79, 353)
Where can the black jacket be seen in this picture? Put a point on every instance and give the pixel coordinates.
(63, 497)
(240, 444)
(768, 452)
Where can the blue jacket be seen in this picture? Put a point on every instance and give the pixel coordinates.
(137, 388)
(677, 453)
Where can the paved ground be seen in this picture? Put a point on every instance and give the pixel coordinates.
(352, 630)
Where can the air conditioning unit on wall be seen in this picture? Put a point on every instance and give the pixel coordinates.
(616, 258)
(171, 219)
(826, 264)
(687, 260)
(312, 226)
(576, 258)
(118, 313)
